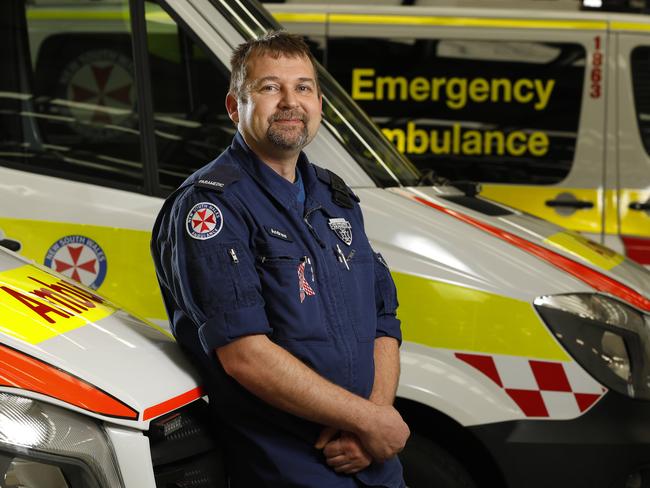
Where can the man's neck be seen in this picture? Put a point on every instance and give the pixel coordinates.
(283, 162)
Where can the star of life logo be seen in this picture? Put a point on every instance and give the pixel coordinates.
(80, 258)
(303, 287)
(204, 221)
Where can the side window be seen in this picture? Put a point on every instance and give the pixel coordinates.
(640, 59)
(69, 108)
(188, 87)
(491, 111)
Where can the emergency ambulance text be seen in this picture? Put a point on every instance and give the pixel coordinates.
(455, 92)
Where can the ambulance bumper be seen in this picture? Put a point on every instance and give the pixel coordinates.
(608, 447)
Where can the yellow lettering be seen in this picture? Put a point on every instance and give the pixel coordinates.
(479, 89)
(517, 90)
(396, 136)
(359, 83)
(419, 89)
(456, 93)
(472, 143)
(437, 148)
(436, 83)
(543, 93)
(538, 143)
(504, 83)
(413, 135)
(510, 143)
(391, 83)
(490, 136)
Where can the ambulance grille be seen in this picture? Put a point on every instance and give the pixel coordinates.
(185, 449)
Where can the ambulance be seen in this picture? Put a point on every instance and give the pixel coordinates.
(526, 353)
(548, 109)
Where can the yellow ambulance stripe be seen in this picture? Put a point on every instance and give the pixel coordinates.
(634, 222)
(21, 321)
(532, 199)
(288, 17)
(130, 277)
(630, 26)
(64, 14)
(449, 316)
(579, 246)
(412, 20)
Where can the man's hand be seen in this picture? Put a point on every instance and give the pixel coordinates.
(344, 454)
(384, 433)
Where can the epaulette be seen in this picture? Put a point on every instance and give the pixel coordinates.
(219, 178)
(341, 193)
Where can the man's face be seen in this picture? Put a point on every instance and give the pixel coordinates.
(280, 109)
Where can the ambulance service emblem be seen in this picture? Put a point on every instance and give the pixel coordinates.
(204, 221)
(342, 228)
(80, 258)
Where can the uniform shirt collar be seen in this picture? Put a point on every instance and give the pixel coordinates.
(282, 190)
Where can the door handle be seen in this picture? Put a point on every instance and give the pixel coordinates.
(10, 244)
(569, 203)
(639, 206)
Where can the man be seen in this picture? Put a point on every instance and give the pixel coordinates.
(272, 287)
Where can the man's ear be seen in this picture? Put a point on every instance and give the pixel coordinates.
(232, 107)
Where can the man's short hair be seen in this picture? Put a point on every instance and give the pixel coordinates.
(274, 44)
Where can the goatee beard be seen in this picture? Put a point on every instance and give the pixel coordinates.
(290, 137)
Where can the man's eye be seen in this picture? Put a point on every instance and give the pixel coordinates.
(268, 88)
(304, 88)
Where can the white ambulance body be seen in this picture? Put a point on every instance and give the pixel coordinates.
(522, 341)
(548, 109)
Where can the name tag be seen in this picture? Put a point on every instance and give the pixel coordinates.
(278, 233)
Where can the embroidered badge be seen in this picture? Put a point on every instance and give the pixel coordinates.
(303, 286)
(204, 221)
(342, 228)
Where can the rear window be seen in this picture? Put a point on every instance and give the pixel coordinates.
(640, 59)
(492, 111)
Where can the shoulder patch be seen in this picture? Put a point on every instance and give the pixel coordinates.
(342, 195)
(204, 221)
(219, 178)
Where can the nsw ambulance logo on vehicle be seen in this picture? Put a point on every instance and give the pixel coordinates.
(204, 221)
(80, 258)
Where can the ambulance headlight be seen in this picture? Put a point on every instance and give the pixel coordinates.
(45, 446)
(608, 338)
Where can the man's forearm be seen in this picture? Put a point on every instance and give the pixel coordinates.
(279, 378)
(387, 369)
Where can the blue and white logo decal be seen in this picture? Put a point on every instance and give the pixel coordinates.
(204, 221)
(80, 258)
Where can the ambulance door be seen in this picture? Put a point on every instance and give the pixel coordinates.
(632, 200)
(74, 192)
(509, 103)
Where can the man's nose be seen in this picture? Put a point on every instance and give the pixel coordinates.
(289, 98)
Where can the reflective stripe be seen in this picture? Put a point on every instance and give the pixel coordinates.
(630, 26)
(19, 370)
(283, 17)
(449, 316)
(500, 23)
(577, 245)
(36, 306)
(591, 277)
(172, 403)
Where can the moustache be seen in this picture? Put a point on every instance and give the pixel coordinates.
(289, 114)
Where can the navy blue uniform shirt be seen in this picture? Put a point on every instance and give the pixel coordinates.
(236, 254)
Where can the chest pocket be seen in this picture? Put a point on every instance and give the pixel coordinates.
(356, 273)
(290, 292)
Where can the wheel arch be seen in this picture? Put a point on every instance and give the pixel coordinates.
(454, 438)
